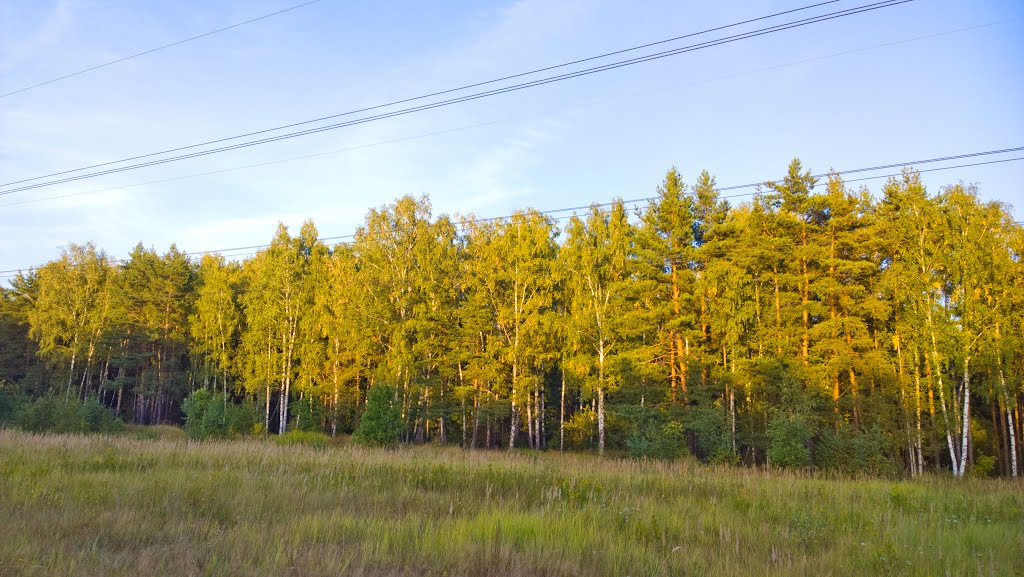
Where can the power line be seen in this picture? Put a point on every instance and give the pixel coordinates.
(247, 166)
(822, 175)
(845, 180)
(157, 49)
(442, 103)
(404, 139)
(12, 272)
(406, 100)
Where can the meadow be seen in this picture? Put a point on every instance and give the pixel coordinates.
(153, 503)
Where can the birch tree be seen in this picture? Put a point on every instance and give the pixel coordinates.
(513, 271)
(599, 268)
(70, 309)
(215, 323)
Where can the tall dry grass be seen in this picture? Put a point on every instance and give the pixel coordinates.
(94, 505)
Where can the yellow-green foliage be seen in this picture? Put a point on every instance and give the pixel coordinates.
(94, 505)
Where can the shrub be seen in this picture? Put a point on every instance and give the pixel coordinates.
(314, 439)
(868, 451)
(212, 424)
(381, 423)
(98, 418)
(60, 415)
(242, 419)
(651, 434)
(788, 437)
(208, 415)
(195, 407)
(581, 429)
(308, 415)
(710, 428)
(984, 466)
(10, 403)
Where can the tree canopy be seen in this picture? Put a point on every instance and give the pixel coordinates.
(814, 325)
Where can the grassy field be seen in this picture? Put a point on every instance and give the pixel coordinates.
(131, 505)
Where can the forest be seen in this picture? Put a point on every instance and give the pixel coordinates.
(812, 326)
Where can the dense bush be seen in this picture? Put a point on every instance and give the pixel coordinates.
(581, 430)
(307, 415)
(851, 451)
(381, 423)
(651, 434)
(10, 401)
(709, 426)
(788, 440)
(195, 408)
(57, 414)
(211, 416)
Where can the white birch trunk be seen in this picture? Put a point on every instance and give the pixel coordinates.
(1010, 425)
(732, 403)
(600, 398)
(71, 372)
(966, 425)
(942, 395)
(917, 396)
(1013, 441)
(531, 441)
(561, 416)
(513, 425)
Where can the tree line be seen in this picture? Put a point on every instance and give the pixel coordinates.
(814, 325)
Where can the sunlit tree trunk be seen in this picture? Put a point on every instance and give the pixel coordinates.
(965, 425)
(1010, 428)
(561, 415)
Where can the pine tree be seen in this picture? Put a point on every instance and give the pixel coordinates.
(155, 297)
(841, 337)
(665, 249)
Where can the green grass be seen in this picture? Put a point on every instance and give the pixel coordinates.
(125, 505)
(154, 432)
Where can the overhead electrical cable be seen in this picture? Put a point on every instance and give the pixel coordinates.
(157, 49)
(442, 103)
(12, 272)
(357, 147)
(423, 96)
(817, 176)
(258, 164)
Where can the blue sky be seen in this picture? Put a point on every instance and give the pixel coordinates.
(953, 83)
